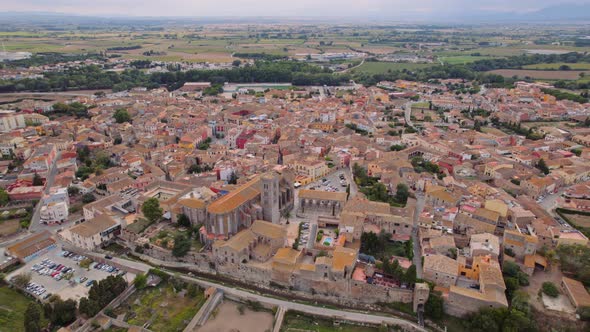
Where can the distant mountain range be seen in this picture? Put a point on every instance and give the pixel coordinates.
(563, 13)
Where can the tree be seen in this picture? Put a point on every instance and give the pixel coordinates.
(73, 191)
(182, 245)
(236, 63)
(4, 198)
(584, 313)
(192, 290)
(434, 306)
(397, 147)
(33, 318)
(101, 294)
(402, 193)
(61, 312)
(21, 280)
(151, 209)
(121, 115)
(88, 198)
(183, 220)
(542, 166)
(287, 215)
(410, 275)
(233, 178)
(550, 289)
(37, 180)
(140, 281)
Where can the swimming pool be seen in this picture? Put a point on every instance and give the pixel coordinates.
(328, 241)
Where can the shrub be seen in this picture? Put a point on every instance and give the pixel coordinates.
(550, 289)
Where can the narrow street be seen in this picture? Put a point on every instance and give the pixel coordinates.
(417, 251)
(35, 220)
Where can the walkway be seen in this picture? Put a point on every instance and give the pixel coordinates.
(279, 319)
(203, 314)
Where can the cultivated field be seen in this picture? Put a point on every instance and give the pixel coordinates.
(541, 74)
(383, 67)
(557, 65)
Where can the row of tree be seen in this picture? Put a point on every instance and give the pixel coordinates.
(101, 294)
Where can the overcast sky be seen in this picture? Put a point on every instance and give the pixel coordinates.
(312, 8)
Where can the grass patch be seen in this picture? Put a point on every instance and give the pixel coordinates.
(383, 67)
(422, 105)
(139, 226)
(116, 248)
(395, 249)
(12, 310)
(295, 321)
(163, 307)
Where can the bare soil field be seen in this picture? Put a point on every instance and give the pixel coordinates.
(579, 220)
(9, 227)
(229, 318)
(541, 74)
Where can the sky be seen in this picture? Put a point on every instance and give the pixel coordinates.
(283, 8)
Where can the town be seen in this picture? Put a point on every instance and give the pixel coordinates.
(407, 205)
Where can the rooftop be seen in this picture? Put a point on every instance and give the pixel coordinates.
(93, 226)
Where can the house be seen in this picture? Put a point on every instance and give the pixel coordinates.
(94, 233)
(490, 293)
(441, 270)
(484, 244)
(576, 292)
(519, 243)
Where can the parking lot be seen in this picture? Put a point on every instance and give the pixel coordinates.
(58, 272)
(334, 182)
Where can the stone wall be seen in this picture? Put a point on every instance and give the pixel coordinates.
(343, 291)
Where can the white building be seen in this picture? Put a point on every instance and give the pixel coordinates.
(56, 212)
(10, 120)
(93, 233)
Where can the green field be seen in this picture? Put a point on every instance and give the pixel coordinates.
(296, 322)
(546, 66)
(459, 60)
(382, 67)
(12, 309)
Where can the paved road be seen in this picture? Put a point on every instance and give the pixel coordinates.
(35, 220)
(408, 114)
(550, 202)
(417, 252)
